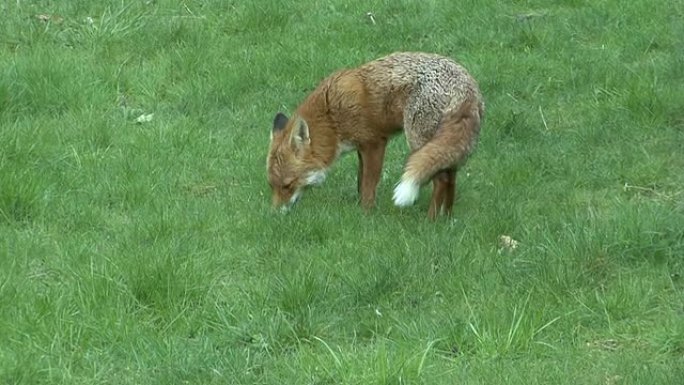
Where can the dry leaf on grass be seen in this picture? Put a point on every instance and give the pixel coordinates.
(46, 18)
(508, 243)
(144, 118)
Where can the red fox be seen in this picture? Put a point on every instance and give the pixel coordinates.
(432, 98)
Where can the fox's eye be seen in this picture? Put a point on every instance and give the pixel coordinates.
(288, 184)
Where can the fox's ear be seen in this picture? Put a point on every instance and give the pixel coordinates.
(279, 122)
(300, 133)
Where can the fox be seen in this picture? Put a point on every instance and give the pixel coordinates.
(432, 98)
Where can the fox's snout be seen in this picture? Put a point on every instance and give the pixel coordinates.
(285, 200)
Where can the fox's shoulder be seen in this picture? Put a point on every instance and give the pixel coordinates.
(342, 84)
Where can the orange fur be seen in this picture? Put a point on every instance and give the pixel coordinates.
(432, 98)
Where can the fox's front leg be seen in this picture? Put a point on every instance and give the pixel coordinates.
(359, 175)
(371, 157)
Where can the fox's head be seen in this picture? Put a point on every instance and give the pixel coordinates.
(291, 163)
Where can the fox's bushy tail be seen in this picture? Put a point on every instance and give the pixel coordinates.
(451, 145)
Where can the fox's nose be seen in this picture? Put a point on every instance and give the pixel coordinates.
(290, 204)
(285, 206)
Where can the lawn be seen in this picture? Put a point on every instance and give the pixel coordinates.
(138, 246)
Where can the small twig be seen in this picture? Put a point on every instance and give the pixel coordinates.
(653, 191)
(188, 9)
(371, 17)
(640, 188)
(543, 118)
(175, 16)
(528, 16)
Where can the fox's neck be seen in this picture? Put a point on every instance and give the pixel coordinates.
(324, 141)
(322, 131)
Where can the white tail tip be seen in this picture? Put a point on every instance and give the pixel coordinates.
(406, 193)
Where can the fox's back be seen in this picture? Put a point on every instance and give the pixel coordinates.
(410, 68)
(409, 83)
(418, 74)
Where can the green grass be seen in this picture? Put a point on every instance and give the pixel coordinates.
(148, 253)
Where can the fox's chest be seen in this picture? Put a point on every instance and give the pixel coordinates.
(344, 147)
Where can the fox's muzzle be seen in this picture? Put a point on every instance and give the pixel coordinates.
(285, 206)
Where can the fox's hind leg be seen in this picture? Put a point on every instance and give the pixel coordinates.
(443, 190)
(440, 189)
(450, 193)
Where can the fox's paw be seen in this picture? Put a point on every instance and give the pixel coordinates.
(406, 193)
